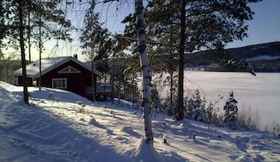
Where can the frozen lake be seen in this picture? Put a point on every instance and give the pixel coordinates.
(258, 95)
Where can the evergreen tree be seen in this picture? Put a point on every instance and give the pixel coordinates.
(45, 14)
(155, 100)
(210, 113)
(231, 111)
(203, 24)
(22, 50)
(96, 42)
(196, 107)
(13, 23)
(2, 28)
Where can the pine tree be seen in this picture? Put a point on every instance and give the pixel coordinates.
(231, 111)
(96, 42)
(196, 107)
(210, 113)
(22, 50)
(13, 23)
(2, 27)
(203, 24)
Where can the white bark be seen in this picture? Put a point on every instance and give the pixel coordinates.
(140, 29)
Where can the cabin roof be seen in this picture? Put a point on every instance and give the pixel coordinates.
(47, 65)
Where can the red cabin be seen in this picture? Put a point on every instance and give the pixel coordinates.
(63, 73)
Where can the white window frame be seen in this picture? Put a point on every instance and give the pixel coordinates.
(60, 79)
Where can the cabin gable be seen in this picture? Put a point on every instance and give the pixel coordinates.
(69, 76)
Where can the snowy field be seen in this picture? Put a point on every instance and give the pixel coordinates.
(60, 126)
(258, 95)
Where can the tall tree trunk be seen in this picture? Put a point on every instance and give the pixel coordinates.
(40, 52)
(140, 29)
(180, 104)
(171, 88)
(22, 50)
(7, 70)
(112, 84)
(93, 80)
(29, 32)
(133, 88)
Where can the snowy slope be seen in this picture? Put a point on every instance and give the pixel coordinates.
(61, 126)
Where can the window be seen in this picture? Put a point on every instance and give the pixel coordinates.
(59, 83)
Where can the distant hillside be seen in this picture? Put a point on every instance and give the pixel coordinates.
(264, 51)
(263, 57)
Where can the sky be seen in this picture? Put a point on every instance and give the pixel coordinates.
(265, 27)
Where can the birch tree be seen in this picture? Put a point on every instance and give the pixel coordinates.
(140, 30)
(144, 61)
(202, 24)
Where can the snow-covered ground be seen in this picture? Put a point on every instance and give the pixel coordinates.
(60, 126)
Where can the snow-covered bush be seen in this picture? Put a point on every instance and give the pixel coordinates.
(168, 108)
(276, 129)
(196, 107)
(231, 111)
(212, 114)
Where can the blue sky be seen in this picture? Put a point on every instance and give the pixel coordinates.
(265, 27)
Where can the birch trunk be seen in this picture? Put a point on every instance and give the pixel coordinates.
(22, 50)
(144, 60)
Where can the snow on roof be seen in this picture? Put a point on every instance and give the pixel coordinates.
(48, 64)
